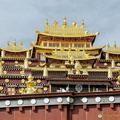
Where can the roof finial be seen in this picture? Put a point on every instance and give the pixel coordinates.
(55, 23)
(108, 45)
(21, 43)
(14, 42)
(8, 43)
(46, 23)
(115, 44)
(74, 23)
(64, 22)
(83, 24)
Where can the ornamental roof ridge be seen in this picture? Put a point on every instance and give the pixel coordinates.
(66, 30)
(14, 47)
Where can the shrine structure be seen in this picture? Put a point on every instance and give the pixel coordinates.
(61, 77)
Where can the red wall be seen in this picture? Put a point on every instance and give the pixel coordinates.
(90, 112)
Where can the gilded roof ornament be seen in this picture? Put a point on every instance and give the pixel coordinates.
(65, 30)
(46, 23)
(14, 46)
(14, 42)
(21, 43)
(64, 22)
(114, 49)
(83, 23)
(55, 23)
(74, 23)
(108, 45)
(30, 84)
(77, 67)
(8, 43)
(115, 44)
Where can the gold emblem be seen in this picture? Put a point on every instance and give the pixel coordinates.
(38, 81)
(16, 62)
(105, 64)
(45, 88)
(23, 81)
(5, 72)
(7, 80)
(1, 88)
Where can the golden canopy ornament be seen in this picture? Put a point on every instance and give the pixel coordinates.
(30, 84)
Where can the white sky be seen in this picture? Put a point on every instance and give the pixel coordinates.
(20, 18)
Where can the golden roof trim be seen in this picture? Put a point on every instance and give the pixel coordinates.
(112, 52)
(16, 50)
(65, 30)
(63, 69)
(89, 48)
(65, 35)
(62, 58)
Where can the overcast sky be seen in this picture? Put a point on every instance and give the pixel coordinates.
(20, 18)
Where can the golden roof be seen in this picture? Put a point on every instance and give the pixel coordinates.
(15, 48)
(113, 50)
(66, 31)
(79, 48)
(66, 55)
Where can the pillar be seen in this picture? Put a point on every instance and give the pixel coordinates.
(27, 54)
(2, 53)
(113, 64)
(109, 73)
(45, 72)
(107, 56)
(26, 63)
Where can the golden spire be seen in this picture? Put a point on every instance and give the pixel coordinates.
(30, 86)
(115, 44)
(64, 22)
(108, 45)
(46, 23)
(21, 43)
(55, 23)
(14, 42)
(8, 43)
(83, 23)
(74, 23)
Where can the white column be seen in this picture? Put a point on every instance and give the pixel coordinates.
(1, 67)
(106, 87)
(88, 88)
(107, 56)
(26, 63)
(45, 72)
(2, 53)
(109, 73)
(27, 54)
(113, 64)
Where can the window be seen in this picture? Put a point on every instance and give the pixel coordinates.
(42, 58)
(50, 44)
(56, 45)
(45, 44)
(87, 45)
(11, 91)
(75, 45)
(81, 45)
